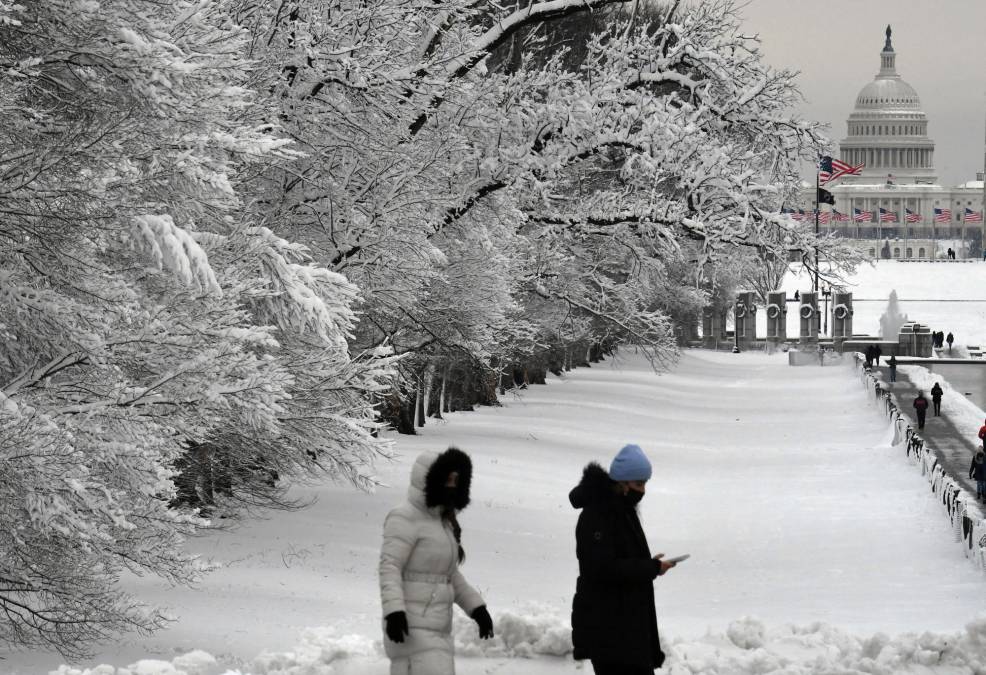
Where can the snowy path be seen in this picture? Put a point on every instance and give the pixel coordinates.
(775, 479)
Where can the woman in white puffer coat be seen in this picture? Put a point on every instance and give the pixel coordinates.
(419, 568)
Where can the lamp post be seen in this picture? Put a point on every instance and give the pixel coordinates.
(826, 292)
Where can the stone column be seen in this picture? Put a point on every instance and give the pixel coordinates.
(808, 317)
(841, 318)
(777, 316)
(745, 317)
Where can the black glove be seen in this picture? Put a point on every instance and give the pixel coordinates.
(484, 621)
(396, 626)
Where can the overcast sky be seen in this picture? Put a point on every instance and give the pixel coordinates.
(836, 44)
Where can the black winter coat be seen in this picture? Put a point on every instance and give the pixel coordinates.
(978, 470)
(613, 615)
(936, 393)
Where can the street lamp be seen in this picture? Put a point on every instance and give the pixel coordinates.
(826, 292)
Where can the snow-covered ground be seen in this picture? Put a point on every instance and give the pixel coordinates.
(812, 541)
(946, 296)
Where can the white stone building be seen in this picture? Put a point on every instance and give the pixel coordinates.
(888, 133)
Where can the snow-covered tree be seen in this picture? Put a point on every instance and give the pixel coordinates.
(610, 175)
(147, 324)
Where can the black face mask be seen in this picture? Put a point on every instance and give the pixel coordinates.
(633, 497)
(448, 497)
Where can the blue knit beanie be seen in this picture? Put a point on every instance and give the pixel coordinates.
(630, 463)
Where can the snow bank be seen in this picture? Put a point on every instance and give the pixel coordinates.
(516, 634)
(196, 662)
(748, 646)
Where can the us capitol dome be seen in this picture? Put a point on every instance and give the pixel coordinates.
(887, 132)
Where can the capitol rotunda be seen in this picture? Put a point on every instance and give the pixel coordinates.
(887, 132)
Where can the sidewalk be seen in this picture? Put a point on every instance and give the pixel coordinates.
(953, 449)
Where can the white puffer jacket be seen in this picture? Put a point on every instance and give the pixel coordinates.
(419, 570)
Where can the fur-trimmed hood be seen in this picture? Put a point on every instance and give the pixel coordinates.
(429, 473)
(596, 487)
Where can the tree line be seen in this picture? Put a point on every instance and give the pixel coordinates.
(238, 239)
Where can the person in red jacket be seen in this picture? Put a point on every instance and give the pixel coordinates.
(921, 408)
(982, 434)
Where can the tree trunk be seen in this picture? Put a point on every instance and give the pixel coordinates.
(429, 382)
(405, 422)
(419, 407)
(204, 486)
(442, 400)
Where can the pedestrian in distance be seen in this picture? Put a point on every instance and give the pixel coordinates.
(614, 620)
(892, 367)
(977, 471)
(950, 339)
(797, 296)
(877, 353)
(982, 434)
(868, 356)
(921, 408)
(419, 568)
(936, 394)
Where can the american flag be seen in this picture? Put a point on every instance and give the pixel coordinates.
(830, 169)
(862, 216)
(911, 217)
(798, 215)
(943, 215)
(840, 217)
(973, 216)
(887, 216)
(823, 216)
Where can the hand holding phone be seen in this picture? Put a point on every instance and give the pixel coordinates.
(678, 559)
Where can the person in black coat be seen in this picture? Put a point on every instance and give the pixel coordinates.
(892, 368)
(978, 472)
(949, 339)
(936, 394)
(921, 408)
(614, 620)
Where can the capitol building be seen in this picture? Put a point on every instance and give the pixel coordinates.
(887, 132)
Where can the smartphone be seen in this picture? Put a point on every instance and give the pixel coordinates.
(677, 559)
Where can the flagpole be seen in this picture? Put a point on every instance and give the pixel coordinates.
(815, 288)
(982, 226)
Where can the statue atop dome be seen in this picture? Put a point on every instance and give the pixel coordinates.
(887, 47)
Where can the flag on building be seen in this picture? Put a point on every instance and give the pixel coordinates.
(825, 197)
(830, 169)
(840, 217)
(823, 216)
(943, 215)
(912, 217)
(887, 216)
(972, 216)
(862, 216)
